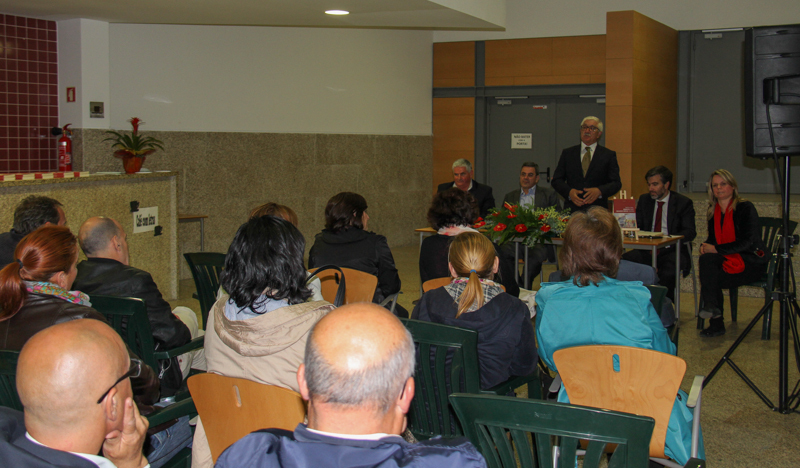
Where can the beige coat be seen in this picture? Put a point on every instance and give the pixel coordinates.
(266, 349)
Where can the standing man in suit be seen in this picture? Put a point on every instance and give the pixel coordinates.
(462, 176)
(587, 174)
(671, 213)
(531, 196)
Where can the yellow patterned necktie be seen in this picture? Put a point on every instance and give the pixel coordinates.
(586, 160)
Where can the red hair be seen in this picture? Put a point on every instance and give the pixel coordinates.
(38, 256)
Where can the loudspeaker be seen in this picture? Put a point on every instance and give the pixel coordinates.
(772, 75)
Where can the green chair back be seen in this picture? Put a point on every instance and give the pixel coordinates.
(517, 432)
(205, 267)
(128, 316)
(447, 362)
(8, 380)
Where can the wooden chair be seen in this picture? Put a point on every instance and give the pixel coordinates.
(513, 432)
(435, 283)
(360, 286)
(632, 380)
(205, 268)
(447, 362)
(8, 380)
(231, 408)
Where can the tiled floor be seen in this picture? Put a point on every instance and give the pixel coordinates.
(739, 430)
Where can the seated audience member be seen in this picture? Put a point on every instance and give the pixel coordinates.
(733, 254)
(452, 212)
(32, 212)
(505, 335)
(530, 195)
(258, 329)
(107, 271)
(594, 308)
(35, 294)
(346, 242)
(357, 379)
(73, 381)
(462, 177)
(663, 210)
(284, 212)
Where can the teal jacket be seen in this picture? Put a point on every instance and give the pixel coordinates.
(611, 313)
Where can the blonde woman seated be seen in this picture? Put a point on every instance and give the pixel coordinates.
(594, 308)
(473, 300)
(258, 330)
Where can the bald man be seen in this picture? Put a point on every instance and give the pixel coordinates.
(74, 383)
(357, 379)
(107, 271)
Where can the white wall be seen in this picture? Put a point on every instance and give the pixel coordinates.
(83, 64)
(261, 79)
(548, 18)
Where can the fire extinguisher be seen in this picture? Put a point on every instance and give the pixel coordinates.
(65, 150)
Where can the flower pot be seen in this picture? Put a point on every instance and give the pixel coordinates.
(132, 164)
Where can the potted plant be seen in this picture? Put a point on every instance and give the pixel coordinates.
(533, 225)
(133, 148)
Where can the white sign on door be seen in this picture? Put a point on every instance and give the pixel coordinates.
(146, 219)
(521, 140)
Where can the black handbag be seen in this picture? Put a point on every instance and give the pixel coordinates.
(340, 291)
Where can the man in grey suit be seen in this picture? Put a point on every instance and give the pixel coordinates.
(530, 195)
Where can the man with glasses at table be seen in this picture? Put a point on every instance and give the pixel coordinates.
(587, 174)
(73, 380)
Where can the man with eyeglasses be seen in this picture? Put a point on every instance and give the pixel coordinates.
(587, 174)
(73, 380)
(357, 380)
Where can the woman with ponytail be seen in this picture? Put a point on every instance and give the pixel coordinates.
(473, 300)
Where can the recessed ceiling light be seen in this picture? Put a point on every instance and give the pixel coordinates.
(337, 12)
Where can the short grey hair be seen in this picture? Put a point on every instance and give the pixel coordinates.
(591, 117)
(98, 238)
(463, 163)
(377, 386)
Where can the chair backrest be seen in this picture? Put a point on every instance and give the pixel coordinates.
(622, 378)
(231, 408)
(128, 316)
(205, 268)
(435, 283)
(499, 426)
(360, 285)
(8, 380)
(447, 362)
(770, 230)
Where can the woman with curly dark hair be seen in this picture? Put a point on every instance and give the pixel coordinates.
(452, 212)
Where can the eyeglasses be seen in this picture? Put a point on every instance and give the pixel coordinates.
(592, 128)
(134, 371)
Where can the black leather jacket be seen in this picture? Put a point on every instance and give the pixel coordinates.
(41, 311)
(111, 278)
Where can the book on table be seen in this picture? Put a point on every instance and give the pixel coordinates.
(625, 212)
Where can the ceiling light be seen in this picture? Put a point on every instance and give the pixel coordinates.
(337, 12)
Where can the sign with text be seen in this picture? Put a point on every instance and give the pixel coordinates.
(146, 219)
(521, 140)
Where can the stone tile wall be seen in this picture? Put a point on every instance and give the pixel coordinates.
(224, 175)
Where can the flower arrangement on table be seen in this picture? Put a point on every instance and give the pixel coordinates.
(535, 225)
(134, 147)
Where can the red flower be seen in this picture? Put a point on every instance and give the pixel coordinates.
(544, 228)
(135, 122)
(565, 220)
(496, 214)
(509, 206)
(479, 219)
(480, 224)
(520, 228)
(511, 216)
(541, 217)
(500, 227)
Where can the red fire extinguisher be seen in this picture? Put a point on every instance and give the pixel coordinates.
(65, 150)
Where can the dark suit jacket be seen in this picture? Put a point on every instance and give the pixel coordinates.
(17, 451)
(603, 173)
(545, 197)
(482, 193)
(680, 221)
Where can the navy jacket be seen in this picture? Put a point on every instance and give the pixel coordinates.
(680, 222)
(603, 173)
(17, 451)
(482, 193)
(303, 448)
